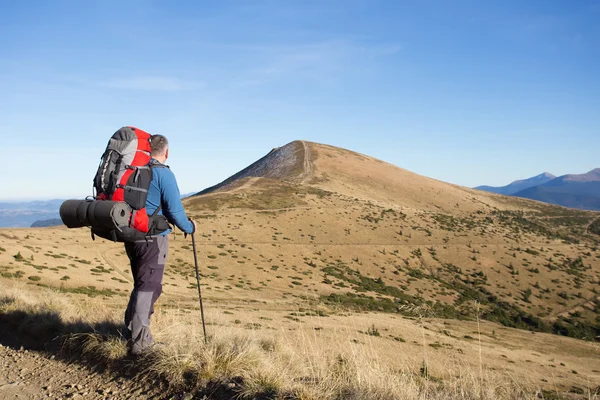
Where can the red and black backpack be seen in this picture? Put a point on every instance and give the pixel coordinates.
(124, 174)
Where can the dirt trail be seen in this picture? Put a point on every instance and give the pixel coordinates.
(249, 183)
(587, 228)
(308, 165)
(567, 311)
(35, 375)
(273, 210)
(117, 268)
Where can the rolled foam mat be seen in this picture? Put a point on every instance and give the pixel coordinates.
(100, 214)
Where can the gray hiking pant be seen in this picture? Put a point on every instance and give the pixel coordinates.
(147, 260)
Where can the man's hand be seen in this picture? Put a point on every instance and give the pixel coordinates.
(193, 228)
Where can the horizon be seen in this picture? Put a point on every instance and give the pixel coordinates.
(466, 93)
(33, 199)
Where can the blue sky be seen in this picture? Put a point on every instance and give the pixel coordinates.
(468, 92)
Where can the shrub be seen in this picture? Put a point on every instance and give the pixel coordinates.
(526, 295)
(373, 331)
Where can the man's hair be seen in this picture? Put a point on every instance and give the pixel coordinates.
(158, 145)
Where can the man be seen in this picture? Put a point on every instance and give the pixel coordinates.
(148, 257)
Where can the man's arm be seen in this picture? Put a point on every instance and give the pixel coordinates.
(171, 202)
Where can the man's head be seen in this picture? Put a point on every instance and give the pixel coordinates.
(159, 148)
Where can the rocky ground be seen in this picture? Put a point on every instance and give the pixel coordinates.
(32, 375)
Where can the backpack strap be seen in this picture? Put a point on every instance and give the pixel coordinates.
(156, 211)
(156, 164)
(132, 188)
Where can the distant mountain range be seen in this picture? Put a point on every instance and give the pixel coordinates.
(576, 191)
(519, 185)
(47, 222)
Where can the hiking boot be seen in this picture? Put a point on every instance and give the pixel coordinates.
(154, 346)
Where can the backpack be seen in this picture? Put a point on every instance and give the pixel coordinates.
(124, 175)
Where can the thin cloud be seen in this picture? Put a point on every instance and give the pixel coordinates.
(150, 83)
(312, 61)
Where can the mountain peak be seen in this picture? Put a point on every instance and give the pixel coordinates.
(592, 176)
(546, 176)
(519, 185)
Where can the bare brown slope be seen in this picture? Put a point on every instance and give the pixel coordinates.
(284, 162)
(365, 177)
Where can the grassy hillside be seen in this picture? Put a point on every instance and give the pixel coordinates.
(344, 249)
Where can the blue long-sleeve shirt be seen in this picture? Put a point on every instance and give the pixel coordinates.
(164, 190)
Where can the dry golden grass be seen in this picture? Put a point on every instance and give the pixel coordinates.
(295, 363)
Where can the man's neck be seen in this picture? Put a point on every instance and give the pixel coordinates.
(160, 159)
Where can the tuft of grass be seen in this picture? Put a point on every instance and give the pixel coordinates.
(107, 349)
(17, 274)
(373, 331)
(91, 291)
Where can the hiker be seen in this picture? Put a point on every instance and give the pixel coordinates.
(148, 256)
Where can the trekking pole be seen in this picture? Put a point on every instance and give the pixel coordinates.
(199, 291)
